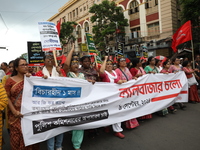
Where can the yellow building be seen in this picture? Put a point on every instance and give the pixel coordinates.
(151, 22)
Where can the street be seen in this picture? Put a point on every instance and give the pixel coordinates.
(179, 131)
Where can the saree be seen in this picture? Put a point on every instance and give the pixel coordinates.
(3, 105)
(14, 92)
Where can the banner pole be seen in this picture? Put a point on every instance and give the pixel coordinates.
(55, 59)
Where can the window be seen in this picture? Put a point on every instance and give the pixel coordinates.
(78, 32)
(135, 32)
(148, 4)
(156, 2)
(76, 11)
(64, 19)
(153, 29)
(73, 13)
(70, 14)
(86, 27)
(134, 7)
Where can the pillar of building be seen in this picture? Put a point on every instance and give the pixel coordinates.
(143, 23)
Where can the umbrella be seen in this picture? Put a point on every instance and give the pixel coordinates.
(161, 57)
(143, 58)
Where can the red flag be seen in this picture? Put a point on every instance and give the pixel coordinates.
(63, 59)
(58, 27)
(115, 60)
(182, 35)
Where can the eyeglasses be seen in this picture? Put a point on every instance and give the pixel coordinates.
(109, 64)
(24, 65)
(74, 63)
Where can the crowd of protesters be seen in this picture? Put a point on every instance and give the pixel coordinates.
(12, 83)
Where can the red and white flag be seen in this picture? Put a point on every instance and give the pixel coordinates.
(182, 35)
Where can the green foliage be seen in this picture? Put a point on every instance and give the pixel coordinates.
(107, 17)
(190, 11)
(66, 31)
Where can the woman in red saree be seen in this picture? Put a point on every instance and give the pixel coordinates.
(14, 87)
(137, 71)
(192, 83)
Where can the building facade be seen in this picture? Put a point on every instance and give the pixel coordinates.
(151, 23)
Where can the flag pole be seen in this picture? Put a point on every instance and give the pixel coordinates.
(193, 64)
(193, 54)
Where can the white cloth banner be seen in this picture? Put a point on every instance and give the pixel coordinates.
(55, 105)
(49, 36)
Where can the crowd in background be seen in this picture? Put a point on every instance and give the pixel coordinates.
(12, 81)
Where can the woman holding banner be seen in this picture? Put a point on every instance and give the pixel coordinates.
(174, 68)
(14, 87)
(125, 75)
(137, 71)
(192, 83)
(49, 70)
(77, 135)
(107, 74)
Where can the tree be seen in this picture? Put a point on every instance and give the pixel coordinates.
(109, 22)
(190, 11)
(66, 31)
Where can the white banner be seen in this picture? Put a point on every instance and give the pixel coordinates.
(56, 105)
(49, 36)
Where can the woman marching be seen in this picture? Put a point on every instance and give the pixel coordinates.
(176, 67)
(192, 83)
(137, 71)
(165, 70)
(125, 75)
(107, 74)
(73, 64)
(151, 68)
(49, 70)
(14, 87)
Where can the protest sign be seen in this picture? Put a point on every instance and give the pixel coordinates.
(55, 105)
(49, 36)
(35, 54)
(90, 44)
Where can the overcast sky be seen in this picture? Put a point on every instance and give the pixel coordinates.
(18, 24)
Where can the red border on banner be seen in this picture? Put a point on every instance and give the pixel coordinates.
(51, 48)
(38, 64)
(167, 96)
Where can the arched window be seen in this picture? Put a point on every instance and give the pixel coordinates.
(78, 32)
(87, 27)
(133, 7)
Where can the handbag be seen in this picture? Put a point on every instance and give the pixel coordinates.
(192, 81)
(132, 123)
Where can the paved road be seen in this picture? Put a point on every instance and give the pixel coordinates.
(180, 131)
